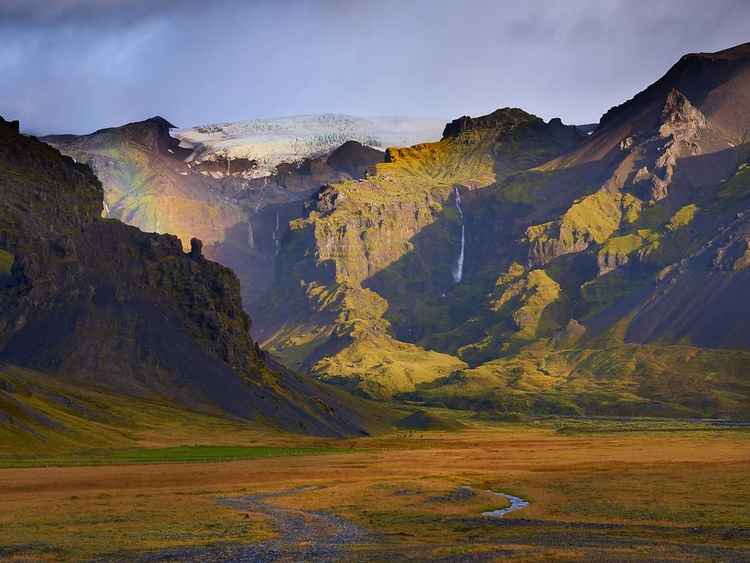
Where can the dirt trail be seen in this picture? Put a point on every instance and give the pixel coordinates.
(303, 535)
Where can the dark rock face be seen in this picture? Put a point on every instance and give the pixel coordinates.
(105, 303)
(226, 166)
(354, 158)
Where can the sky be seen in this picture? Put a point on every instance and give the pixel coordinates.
(80, 65)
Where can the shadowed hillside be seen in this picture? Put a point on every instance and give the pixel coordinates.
(108, 306)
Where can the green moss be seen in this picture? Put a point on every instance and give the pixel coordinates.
(524, 298)
(603, 291)
(6, 262)
(523, 188)
(738, 186)
(593, 218)
(380, 366)
(614, 379)
(627, 244)
(632, 207)
(653, 217)
(598, 215)
(683, 217)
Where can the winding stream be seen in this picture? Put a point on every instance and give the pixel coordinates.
(516, 503)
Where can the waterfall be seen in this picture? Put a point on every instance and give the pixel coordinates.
(276, 237)
(458, 272)
(250, 234)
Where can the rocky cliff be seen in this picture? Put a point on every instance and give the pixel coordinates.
(108, 305)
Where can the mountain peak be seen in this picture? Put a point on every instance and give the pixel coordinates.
(159, 120)
(12, 126)
(732, 53)
(697, 76)
(152, 133)
(502, 119)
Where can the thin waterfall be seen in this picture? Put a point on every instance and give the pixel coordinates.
(276, 237)
(458, 272)
(250, 234)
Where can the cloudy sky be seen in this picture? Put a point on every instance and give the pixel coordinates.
(78, 65)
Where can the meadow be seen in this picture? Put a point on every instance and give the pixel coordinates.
(597, 489)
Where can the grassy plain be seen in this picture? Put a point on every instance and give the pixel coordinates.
(598, 489)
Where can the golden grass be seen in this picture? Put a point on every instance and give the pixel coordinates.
(607, 495)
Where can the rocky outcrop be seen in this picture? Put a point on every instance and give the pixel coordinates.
(355, 159)
(678, 136)
(148, 184)
(498, 122)
(224, 166)
(363, 241)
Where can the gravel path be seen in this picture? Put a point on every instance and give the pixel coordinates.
(303, 535)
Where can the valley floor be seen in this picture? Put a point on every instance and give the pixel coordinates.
(597, 490)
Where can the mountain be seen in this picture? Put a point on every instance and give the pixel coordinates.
(514, 264)
(373, 252)
(272, 141)
(524, 265)
(152, 183)
(105, 305)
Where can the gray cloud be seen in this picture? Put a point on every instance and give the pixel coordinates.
(77, 65)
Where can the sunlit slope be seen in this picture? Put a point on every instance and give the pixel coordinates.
(329, 314)
(636, 234)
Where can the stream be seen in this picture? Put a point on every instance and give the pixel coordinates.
(516, 503)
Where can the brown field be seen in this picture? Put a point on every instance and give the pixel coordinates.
(651, 494)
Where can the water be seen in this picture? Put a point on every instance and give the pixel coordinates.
(458, 271)
(276, 237)
(516, 503)
(250, 234)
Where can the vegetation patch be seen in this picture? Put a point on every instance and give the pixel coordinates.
(178, 454)
(424, 420)
(6, 262)
(683, 217)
